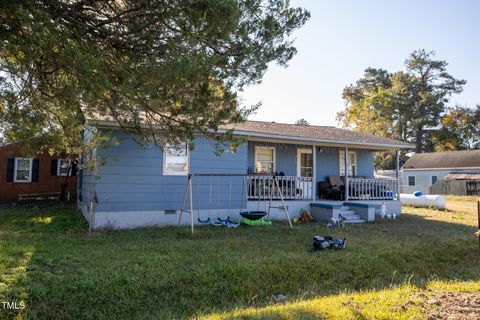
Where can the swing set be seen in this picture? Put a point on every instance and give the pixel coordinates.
(251, 215)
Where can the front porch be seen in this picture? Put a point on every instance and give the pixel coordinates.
(259, 187)
(315, 172)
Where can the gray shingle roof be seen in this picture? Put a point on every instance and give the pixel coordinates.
(320, 133)
(326, 134)
(447, 159)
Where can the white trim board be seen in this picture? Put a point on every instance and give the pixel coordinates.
(433, 169)
(158, 218)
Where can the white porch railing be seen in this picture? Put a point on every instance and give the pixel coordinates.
(292, 188)
(372, 189)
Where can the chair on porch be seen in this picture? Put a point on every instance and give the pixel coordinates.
(333, 189)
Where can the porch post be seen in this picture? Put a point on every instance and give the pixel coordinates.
(397, 172)
(346, 173)
(314, 178)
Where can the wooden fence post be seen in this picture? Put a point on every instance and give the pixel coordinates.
(478, 213)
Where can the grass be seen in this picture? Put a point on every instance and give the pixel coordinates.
(48, 261)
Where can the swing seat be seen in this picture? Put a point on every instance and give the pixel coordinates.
(204, 221)
(225, 223)
(253, 215)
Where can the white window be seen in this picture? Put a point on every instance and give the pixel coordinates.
(265, 160)
(175, 160)
(63, 167)
(352, 163)
(305, 163)
(434, 179)
(411, 180)
(23, 170)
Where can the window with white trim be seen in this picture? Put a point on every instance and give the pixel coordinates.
(63, 167)
(175, 160)
(352, 163)
(305, 163)
(264, 160)
(23, 170)
(411, 180)
(434, 179)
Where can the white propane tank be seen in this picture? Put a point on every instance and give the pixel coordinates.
(423, 200)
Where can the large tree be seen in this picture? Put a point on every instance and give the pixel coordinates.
(177, 65)
(431, 90)
(403, 105)
(460, 130)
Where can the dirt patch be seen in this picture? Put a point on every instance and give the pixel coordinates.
(453, 306)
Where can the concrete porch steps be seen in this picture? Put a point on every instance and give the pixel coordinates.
(349, 215)
(352, 212)
(347, 212)
(354, 221)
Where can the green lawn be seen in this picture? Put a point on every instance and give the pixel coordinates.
(390, 268)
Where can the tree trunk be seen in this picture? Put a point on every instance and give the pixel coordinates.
(65, 184)
(63, 189)
(419, 139)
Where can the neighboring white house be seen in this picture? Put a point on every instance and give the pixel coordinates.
(424, 169)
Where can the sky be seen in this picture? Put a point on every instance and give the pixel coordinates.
(343, 38)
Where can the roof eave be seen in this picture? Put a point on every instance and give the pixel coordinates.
(379, 146)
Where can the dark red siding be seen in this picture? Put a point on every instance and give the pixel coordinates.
(9, 191)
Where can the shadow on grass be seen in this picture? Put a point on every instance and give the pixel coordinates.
(61, 273)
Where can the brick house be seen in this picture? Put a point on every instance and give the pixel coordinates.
(20, 175)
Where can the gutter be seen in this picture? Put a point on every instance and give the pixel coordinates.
(315, 140)
(433, 169)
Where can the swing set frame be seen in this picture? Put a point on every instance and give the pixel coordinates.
(189, 191)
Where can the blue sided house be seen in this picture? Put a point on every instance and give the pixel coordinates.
(326, 170)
